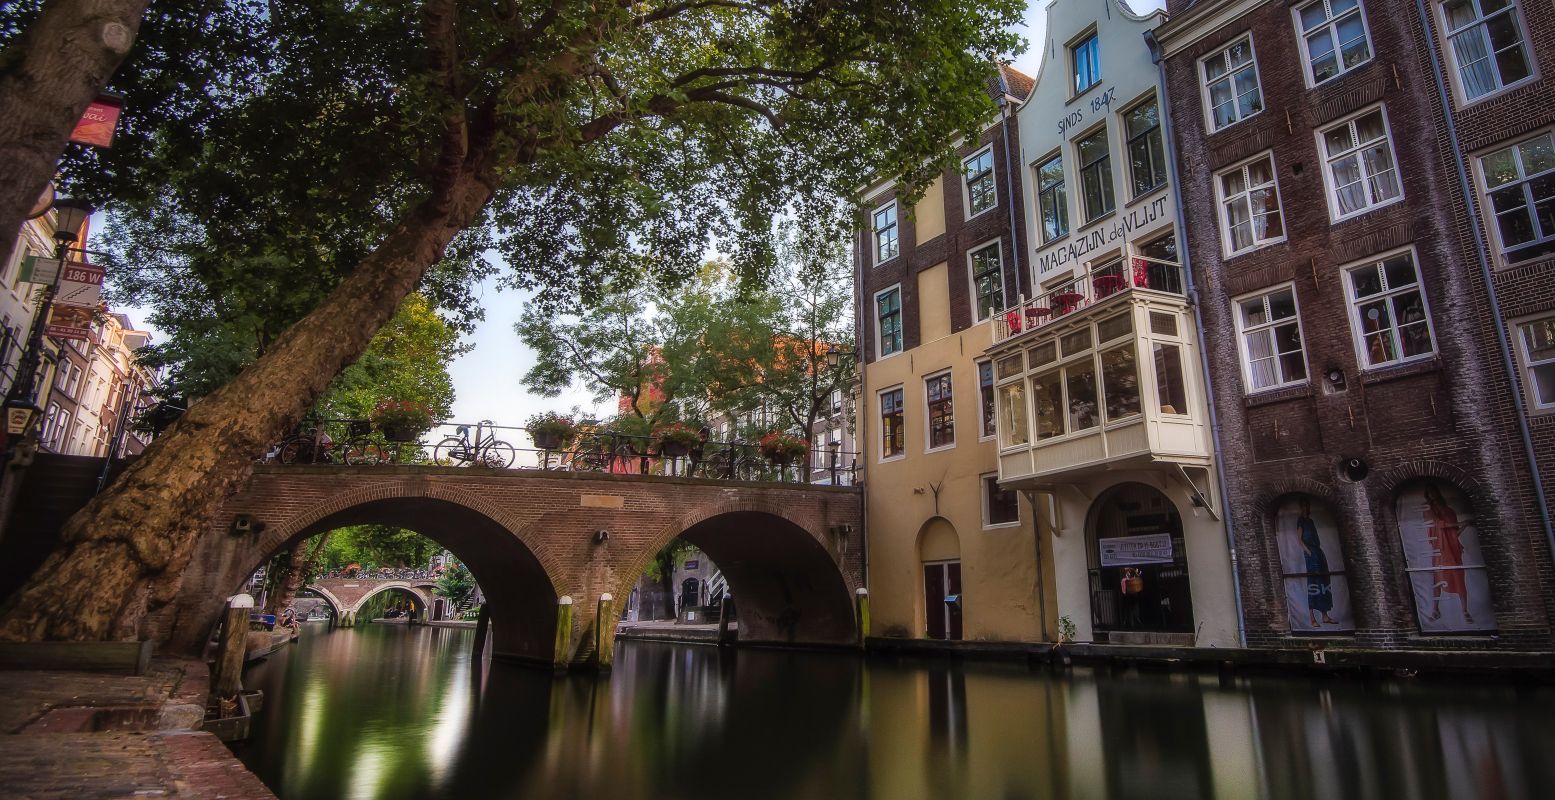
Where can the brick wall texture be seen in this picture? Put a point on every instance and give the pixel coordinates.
(1450, 418)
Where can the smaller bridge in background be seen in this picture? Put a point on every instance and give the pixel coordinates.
(347, 596)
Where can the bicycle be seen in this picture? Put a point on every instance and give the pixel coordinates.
(484, 451)
(316, 447)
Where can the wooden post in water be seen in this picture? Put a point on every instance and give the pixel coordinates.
(861, 599)
(562, 653)
(482, 620)
(234, 640)
(724, 639)
(605, 633)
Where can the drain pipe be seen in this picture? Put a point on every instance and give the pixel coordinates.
(861, 437)
(1009, 175)
(1481, 252)
(1193, 300)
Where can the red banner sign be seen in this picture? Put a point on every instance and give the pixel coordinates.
(97, 125)
(70, 322)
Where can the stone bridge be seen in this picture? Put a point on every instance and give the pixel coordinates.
(347, 596)
(551, 549)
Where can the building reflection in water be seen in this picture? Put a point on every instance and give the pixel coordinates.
(381, 712)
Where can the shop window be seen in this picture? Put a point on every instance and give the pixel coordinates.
(1333, 35)
(1485, 40)
(1519, 185)
(1000, 506)
(1230, 82)
(1012, 414)
(1361, 172)
(892, 435)
(1317, 590)
(1441, 540)
(1388, 312)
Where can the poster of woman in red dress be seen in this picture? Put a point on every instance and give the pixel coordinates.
(1442, 555)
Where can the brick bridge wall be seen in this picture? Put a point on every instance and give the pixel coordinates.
(792, 553)
(348, 595)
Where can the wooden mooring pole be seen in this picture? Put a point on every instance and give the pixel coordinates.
(482, 621)
(234, 641)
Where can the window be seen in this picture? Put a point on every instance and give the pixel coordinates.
(1333, 34)
(1270, 340)
(1538, 352)
(886, 244)
(1086, 59)
(985, 397)
(1146, 153)
(836, 401)
(888, 312)
(1119, 373)
(67, 378)
(981, 195)
(1000, 506)
(892, 441)
(1388, 311)
(1054, 204)
(1170, 389)
(56, 424)
(1249, 206)
(1011, 401)
(1520, 183)
(1096, 175)
(1231, 84)
(1361, 174)
(942, 411)
(987, 282)
(1486, 42)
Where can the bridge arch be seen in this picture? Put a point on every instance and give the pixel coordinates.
(517, 583)
(329, 598)
(788, 578)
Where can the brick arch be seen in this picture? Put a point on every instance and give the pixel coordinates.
(329, 597)
(297, 524)
(1390, 481)
(1269, 501)
(810, 584)
(388, 586)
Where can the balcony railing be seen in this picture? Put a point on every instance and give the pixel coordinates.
(1112, 279)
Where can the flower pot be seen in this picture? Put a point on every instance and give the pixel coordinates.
(547, 440)
(401, 433)
(674, 449)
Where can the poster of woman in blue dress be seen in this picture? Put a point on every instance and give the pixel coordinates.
(1317, 592)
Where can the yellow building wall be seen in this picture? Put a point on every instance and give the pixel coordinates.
(929, 213)
(906, 494)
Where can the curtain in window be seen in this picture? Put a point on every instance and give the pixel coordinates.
(1474, 67)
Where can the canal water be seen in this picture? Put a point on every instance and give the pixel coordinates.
(386, 711)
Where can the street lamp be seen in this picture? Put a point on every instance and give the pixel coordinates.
(21, 403)
(835, 354)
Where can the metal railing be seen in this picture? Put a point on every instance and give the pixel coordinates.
(485, 444)
(1112, 279)
(382, 574)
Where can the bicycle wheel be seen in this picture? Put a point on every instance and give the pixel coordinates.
(296, 450)
(364, 454)
(497, 455)
(451, 451)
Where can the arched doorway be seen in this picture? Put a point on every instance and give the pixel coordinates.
(1440, 535)
(939, 550)
(1312, 566)
(1138, 563)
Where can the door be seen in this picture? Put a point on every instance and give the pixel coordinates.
(942, 599)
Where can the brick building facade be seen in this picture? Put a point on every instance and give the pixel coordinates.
(1377, 484)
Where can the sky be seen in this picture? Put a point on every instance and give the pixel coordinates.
(487, 379)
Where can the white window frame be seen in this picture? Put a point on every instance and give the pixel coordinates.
(901, 327)
(982, 493)
(880, 455)
(1357, 331)
(1063, 186)
(1306, 53)
(896, 228)
(1206, 99)
(966, 183)
(997, 243)
(1331, 191)
(1080, 166)
(1527, 364)
(1128, 145)
(1073, 48)
(1227, 243)
(944, 373)
(1242, 331)
(1454, 69)
(1488, 207)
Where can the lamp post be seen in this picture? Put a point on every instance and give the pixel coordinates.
(21, 403)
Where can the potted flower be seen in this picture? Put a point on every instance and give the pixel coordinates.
(782, 448)
(402, 420)
(676, 439)
(551, 431)
(629, 431)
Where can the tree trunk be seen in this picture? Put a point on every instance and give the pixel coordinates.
(48, 76)
(300, 562)
(125, 552)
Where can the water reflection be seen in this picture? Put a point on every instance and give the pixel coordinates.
(389, 712)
